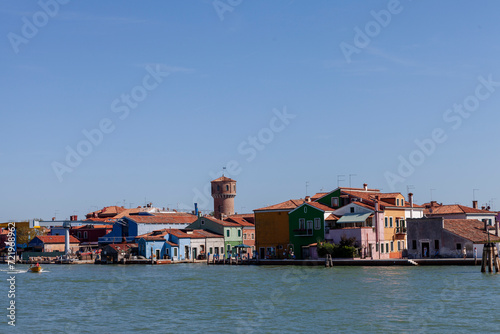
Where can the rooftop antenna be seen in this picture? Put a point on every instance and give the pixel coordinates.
(350, 179)
(223, 170)
(491, 204)
(307, 185)
(408, 188)
(339, 179)
(474, 194)
(55, 214)
(431, 193)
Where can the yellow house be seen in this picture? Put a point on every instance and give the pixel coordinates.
(272, 237)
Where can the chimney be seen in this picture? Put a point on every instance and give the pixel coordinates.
(410, 199)
(308, 199)
(483, 207)
(365, 186)
(485, 225)
(474, 204)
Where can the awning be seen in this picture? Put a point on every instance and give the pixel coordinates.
(353, 218)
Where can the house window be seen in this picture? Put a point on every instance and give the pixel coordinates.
(229, 248)
(352, 209)
(402, 222)
(202, 222)
(239, 233)
(399, 246)
(390, 221)
(387, 248)
(228, 233)
(227, 188)
(436, 244)
(222, 250)
(210, 250)
(376, 247)
(302, 224)
(253, 236)
(397, 201)
(79, 234)
(305, 209)
(245, 236)
(385, 219)
(335, 201)
(392, 246)
(175, 252)
(317, 223)
(381, 248)
(414, 244)
(85, 235)
(309, 227)
(218, 187)
(459, 246)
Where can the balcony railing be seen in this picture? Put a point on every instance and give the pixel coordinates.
(401, 230)
(303, 232)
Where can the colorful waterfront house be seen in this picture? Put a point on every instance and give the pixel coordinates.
(438, 237)
(53, 243)
(128, 228)
(246, 221)
(307, 226)
(272, 233)
(355, 220)
(204, 242)
(153, 244)
(89, 234)
(232, 232)
(391, 236)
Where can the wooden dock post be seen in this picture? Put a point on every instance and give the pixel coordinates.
(490, 258)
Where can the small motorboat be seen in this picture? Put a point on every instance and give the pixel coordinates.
(35, 268)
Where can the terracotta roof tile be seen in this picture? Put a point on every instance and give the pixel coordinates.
(57, 239)
(223, 179)
(167, 218)
(287, 205)
(453, 209)
(471, 229)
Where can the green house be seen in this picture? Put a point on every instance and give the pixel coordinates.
(307, 225)
(232, 232)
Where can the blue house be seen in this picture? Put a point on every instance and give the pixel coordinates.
(129, 227)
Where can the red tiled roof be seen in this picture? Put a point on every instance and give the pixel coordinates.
(249, 217)
(332, 217)
(287, 205)
(453, 209)
(318, 196)
(57, 239)
(239, 220)
(471, 229)
(223, 179)
(208, 234)
(104, 220)
(320, 206)
(167, 218)
(221, 222)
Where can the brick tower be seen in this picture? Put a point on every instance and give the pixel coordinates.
(223, 192)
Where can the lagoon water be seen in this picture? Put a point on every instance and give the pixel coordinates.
(251, 299)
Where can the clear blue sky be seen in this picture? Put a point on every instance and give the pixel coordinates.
(221, 77)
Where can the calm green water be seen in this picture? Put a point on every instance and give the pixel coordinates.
(248, 299)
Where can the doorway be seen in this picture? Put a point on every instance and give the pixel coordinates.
(425, 249)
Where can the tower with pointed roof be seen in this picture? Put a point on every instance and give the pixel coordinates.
(223, 192)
